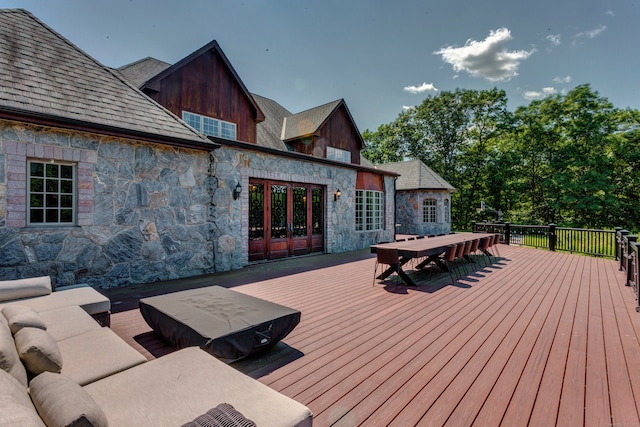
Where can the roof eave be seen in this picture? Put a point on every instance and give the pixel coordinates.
(42, 119)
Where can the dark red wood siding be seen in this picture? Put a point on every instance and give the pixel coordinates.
(206, 86)
(338, 131)
(369, 181)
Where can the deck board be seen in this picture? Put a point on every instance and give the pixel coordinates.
(535, 338)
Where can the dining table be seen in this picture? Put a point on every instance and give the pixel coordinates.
(430, 248)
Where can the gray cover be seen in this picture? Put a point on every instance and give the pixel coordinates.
(227, 324)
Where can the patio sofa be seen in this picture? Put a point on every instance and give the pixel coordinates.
(60, 367)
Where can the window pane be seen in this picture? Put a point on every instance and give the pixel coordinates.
(52, 186)
(52, 215)
(52, 201)
(66, 171)
(52, 171)
(37, 185)
(66, 201)
(37, 215)
(210, 127)
(37, 200)
(37, 169)
(66, 187)
(66, 215)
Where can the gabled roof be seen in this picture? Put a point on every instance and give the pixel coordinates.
(415, 175)
(44, 78)
(270, 130)
(138, 72)
(152, 83)
(308, 122)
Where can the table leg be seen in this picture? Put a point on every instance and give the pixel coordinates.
(389, 271)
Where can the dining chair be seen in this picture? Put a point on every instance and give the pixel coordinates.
(448, 258)
(390, 257)
(496, 241)
(475, 244)
(485, 243)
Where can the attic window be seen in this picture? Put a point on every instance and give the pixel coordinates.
(210, 126)
(338, 154)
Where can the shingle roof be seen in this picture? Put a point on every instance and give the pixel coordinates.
(269, 131)
(43, 74)
(138, 72)
(307, 122)
(415, 175)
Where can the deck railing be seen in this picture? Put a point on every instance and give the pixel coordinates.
(617, 243)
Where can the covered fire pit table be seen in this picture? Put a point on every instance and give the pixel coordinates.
(225, 323)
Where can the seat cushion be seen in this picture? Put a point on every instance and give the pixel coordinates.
(92, 301)
(67, 322)
(62, 402)
(17, 409)
(38, 350)
(199, 382)
(96, 354)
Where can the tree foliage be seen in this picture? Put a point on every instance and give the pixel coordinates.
(566, 159)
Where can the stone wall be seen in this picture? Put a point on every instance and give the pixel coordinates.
(410, 215)
(144, 211)
(234, 166)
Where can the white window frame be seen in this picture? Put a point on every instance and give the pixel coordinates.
(369, 210)
(210, 126)
(430, 211)
(338, 154)
(51, 199)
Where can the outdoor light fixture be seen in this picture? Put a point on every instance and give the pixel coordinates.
(237, 191)
(336, 195)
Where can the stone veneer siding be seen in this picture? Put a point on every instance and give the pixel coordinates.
(409, 212)
(143, 210)
(231, 224)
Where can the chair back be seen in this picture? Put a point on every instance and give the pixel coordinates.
(496, 239)
(387, 256)
(460, 250)
(485, 242)
(467, 247)
(450, 253)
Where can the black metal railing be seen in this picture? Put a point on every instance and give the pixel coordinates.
(573, 240)
(627, 256)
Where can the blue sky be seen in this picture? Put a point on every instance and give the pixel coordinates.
(380, 56)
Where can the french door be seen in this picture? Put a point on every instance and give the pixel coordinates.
(285, 219)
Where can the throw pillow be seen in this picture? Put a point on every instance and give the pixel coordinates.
(62, 402)
(24, 288)
(9, 360)
(21, 316)
(17, 409)
(38, 350)
(223, 415)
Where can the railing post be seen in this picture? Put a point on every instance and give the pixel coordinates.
(507, 233)
(628, 256)
(617, 236)
(473, 227)
(552, 237)
(623, 236)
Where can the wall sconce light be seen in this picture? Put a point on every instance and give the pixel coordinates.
(237, 191)
(336, 195)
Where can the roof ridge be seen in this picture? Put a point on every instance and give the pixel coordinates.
(146, 58)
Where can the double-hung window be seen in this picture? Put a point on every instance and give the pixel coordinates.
(210, 126)
(369, 210)
(429, 212)
(52, 196)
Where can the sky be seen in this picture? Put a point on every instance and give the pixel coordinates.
(380, 56)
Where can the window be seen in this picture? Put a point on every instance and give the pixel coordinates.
(369, 210)
(429, 210)
(447, 211)
(51, 193)
(338, 154)
(210, 126)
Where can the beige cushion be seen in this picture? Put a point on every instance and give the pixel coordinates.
(16, 408)
(97, 354)
(61, 402)
(67, 322)
(38, 350)
(92, 301)
(9, 360)
(198, 381)
(24, 288)
(20, 316)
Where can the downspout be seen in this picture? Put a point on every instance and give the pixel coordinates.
(395, 208)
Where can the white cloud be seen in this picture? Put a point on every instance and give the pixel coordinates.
(407, 107)
(487, 58)
(424, 87)
(546, 91)
(591, 33)
(560, 80)
(554, 39)
(610, 13)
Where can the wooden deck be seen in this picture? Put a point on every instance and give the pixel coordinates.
(537, 338)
